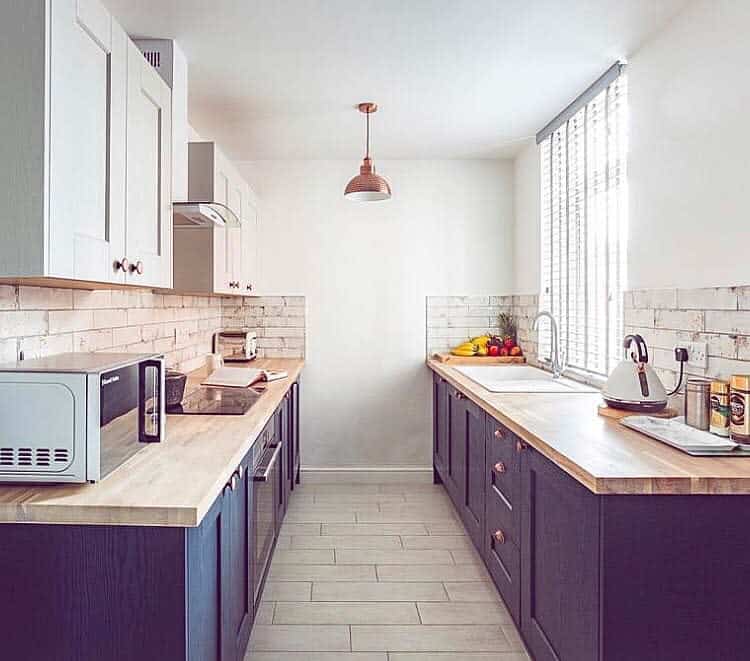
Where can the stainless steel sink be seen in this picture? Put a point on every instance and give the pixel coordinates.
(519, 379)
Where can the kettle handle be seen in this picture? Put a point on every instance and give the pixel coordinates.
(640, 344)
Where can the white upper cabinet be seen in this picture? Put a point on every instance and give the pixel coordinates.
(250, 253)
(67, 137)
(149, 178)
(209, 258)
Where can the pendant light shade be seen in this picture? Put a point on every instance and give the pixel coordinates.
(367, 186)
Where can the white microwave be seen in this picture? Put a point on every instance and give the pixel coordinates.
(76, 417)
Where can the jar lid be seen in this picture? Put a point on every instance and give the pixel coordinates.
(740, 381)
(698, 384)
(720, 387)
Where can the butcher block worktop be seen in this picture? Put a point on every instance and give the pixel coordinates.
(600, 453)
(165, 484)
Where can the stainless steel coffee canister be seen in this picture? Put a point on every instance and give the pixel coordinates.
(698, 403)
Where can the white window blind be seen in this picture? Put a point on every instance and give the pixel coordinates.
(584, 229)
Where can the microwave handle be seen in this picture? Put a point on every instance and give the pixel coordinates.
(155, 432)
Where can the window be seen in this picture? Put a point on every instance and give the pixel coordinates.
(584, 225)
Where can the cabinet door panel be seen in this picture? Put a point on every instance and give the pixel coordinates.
(149, 197)
(206, 557)
(86, 102)
(440, 429)
(222, 236)
(239, 602)
(560, 563)
(250, 253)
(472, 510)
(456, 459)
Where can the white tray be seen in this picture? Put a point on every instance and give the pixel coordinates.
(674, 432)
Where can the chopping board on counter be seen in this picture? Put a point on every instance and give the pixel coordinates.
(450, 359)
(619, 414)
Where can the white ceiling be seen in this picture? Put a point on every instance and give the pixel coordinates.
(454, 78)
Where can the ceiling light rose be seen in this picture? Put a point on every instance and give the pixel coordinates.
(367, 186)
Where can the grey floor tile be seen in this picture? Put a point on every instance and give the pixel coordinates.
(289, 529)
(432, 638)
(369, 591)
(360, 498)
(471, 591)
(265, 612)
(454, 612)
(316, 656)
(299, 638)
(448, 542)
(402, 515)
(453, 527)
(286, 591)
(317, 517)
(347, 542)
(322, 573)
(369, 529)
(392, 557)
(316, 612)
(457, 656)
(466, 556)
(303, 556)
(432, 573)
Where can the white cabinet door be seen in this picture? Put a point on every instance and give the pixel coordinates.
(234, 244)
(86, 142)
(250, 253)
(149, 174)
(223, 275)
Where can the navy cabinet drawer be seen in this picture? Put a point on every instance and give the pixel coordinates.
(503, 464)
(503, 561)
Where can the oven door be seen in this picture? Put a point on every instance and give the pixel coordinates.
(266, 484)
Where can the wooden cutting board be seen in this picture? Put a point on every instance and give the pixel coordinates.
(619, 414)
(477, 360)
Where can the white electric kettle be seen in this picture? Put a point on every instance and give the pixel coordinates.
(633, 384)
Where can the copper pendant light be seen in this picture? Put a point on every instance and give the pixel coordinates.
(367, 186)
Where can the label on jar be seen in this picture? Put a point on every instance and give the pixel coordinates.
(740, 421)
(720, 414)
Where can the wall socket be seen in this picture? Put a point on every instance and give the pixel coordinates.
(697, 354)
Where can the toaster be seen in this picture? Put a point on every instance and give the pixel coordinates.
(236, 345)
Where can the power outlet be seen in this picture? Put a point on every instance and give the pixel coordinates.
(697, 354)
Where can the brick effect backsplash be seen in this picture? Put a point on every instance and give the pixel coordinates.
(454, 319)
(278, 320)
(43, 321)
(719, 316)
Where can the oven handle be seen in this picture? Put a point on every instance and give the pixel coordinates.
(263, 477)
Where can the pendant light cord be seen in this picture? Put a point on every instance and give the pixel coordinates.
(367, 155)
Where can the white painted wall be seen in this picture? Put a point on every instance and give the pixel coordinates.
(688, 165)
(689, 169)
(526, 220)
(366, 270)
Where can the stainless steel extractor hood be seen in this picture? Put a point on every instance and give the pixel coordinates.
(204, 214)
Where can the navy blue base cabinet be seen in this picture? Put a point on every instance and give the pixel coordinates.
(590, 577)
(131, 593)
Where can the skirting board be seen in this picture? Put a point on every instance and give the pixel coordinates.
(372, 475)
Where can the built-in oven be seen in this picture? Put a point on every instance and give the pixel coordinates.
(267, 464)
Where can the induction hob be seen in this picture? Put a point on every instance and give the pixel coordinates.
(217, 401)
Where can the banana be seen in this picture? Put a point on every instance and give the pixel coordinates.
(466, 349)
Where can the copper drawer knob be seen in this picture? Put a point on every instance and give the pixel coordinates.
(499, 467)
(499, 536)
(520, 445)
(459, 395)
(498, 433)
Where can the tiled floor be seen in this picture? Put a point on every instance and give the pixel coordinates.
(379, 572)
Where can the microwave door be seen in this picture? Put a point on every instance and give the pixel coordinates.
(151, 401)
(118, 418)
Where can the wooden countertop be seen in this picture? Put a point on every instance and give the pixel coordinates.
(599, 452)
(172, 483)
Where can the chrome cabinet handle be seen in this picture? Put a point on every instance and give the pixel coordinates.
(498, 433)
(137, 267)
(499, 467)
(122, 265)
(499, 536)
(520, 446)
